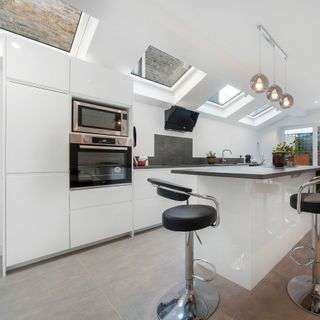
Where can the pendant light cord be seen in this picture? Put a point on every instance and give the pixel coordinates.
(285, 75)
(274, 64)
(259, 50)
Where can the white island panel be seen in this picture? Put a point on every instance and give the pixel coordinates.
(258, 227)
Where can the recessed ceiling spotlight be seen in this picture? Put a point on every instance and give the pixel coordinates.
(316, 101)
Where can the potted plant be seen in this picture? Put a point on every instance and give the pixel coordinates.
(211, 157)
(283, 153)
(278, 155)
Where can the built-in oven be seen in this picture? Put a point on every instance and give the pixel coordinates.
(99, 119)
(99, 160)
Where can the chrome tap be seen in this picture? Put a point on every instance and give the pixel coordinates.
(223, 151)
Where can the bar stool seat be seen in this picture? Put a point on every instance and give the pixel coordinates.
(189, 217)
(310, 202)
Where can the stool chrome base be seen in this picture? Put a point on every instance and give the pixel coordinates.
(178, 304)
(301, 291)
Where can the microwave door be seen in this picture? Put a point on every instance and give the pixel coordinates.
(90, 118)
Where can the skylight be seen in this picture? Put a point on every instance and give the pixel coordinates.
(260, 115)
(160, 67)
(259, 111)
(225, 95)
(51, 22)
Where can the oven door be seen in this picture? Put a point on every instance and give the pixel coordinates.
(92, 165)
(90, 118)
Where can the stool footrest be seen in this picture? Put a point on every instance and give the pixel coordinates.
(212, 269)
(304, 262)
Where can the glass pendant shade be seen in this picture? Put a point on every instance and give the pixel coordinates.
(274, 93)
(286, 101)
(259, 83)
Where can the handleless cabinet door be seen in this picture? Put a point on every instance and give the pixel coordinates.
(36, 64)
(37, 218)
(37, 129)
(101, 84)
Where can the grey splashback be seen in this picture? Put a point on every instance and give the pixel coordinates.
(172, 151)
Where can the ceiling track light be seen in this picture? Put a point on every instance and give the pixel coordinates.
(259, 82)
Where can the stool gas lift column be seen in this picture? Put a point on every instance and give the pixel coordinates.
(199, 298)
(304, 290)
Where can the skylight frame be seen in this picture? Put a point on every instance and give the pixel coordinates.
(46, 43)
(141, 66)
(261, 113)
(229, 101)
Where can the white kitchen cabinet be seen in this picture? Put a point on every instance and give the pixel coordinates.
(37, 64)
(37, 218)
(148, 206)
(38, 125)
(101, 222)
(100, 84)
(86, 198)
(144, 189)
(148, 212)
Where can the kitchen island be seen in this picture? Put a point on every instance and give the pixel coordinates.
(258, 227)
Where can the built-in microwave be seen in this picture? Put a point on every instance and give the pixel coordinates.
(99, 160)
(99, 119)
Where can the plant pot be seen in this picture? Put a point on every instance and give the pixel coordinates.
(302, 159)
(211, 160)
(278, 159)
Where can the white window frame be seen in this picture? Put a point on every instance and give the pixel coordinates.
(314, 127)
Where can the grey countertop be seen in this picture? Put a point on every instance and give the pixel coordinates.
(246, 172)
(164, 166)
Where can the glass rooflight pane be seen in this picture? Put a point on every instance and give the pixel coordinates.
(51, 22)
(226, 94)
(260, 110)
(160, 67)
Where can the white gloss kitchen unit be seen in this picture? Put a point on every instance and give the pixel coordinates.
(258, 227)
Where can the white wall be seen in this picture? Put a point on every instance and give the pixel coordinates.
(2, 143)
(269, 136)
(207, 135)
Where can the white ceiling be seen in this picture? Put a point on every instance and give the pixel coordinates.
(217, 37)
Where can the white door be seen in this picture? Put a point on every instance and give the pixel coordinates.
(38, 125)
(37, 215)
(36, 64)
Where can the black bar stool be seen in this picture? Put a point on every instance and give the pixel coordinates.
(304, 290)
(199, 298)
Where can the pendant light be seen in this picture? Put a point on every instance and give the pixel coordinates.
(259, 82)
(286, 100)
(274, 92)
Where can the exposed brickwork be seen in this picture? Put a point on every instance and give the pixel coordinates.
(163, 68)
(49, 21)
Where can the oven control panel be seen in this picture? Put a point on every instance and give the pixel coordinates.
(103, 140)
(77, 138)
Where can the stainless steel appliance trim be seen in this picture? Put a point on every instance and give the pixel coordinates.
(101, 186)
(103, 148)
(100, 107)
(75, 125)
(83, 138)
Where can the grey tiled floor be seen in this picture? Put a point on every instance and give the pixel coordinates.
(124, 280)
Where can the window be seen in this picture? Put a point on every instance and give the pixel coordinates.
(302, 138)
(318, 136)
(51, 22)
(225, 95)
(160, 67)
(261, 110)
